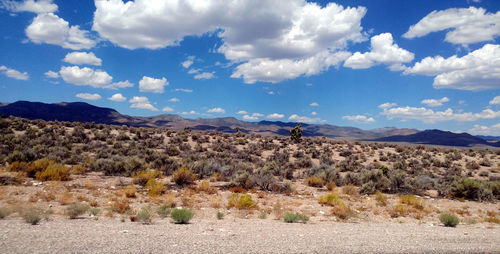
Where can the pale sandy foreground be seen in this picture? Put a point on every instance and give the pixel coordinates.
(242, 236)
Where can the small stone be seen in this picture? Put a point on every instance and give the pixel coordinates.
(124, 231)
(321, 212)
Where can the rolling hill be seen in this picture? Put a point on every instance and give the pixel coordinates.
(84, 112)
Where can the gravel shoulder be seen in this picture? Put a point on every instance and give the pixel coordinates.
(242, 236)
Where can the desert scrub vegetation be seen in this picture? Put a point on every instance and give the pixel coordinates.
(181, 215)
(184, 176)
(164, 211)
(32, 215)
(244, 201)
(449, 220)
(144, 215)
(290, 217)
(4, 212)
(142, 177)
(76, 209)
(205, 163)
(154, 187)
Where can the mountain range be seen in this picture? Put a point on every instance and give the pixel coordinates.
(84, 112)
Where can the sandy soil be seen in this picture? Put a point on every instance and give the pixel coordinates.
(242, 236)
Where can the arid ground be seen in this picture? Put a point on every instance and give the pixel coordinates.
(100, 188)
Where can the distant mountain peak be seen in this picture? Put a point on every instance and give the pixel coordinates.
(84, 112)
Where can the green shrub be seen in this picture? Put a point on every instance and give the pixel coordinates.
(163, 211)
(144, 216)
(449, 220)
(295, 217)
(220, 215)
(182, 216)
(32, 215)
(76, 209)
(94, 211)
(471, 189)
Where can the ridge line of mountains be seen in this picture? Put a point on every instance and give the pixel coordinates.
(84, 112)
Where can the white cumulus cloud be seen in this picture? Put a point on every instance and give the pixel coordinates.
(167, 109)
(314, 104)
(51, 29)
(89, 96)
(242, 112)
(184, 90)
(495, 101)
(216, 110)
(142, 102)
(85, 76)
(295, 35)
(274, 71)
(15, 74)
(478, 70)
(204, 75)
(51, 74)
(250, 118)
(80, 58)
(89, 77)
(359, 119)
(174, 100)
(304, 119)
(493, 130)
(463, 25)
(188, 62)
(383, 51)
(152, 85)
(275, 116)
(387, 105)
(434, 102)
(117, 97)
(40, 6)
(430, 116)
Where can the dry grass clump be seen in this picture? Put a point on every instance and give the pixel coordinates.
(184, 176)
(330, 199)
(412, 200)
(244, 201)
(129, 191)
(142, 177)
(79, 169)
(42, 169)
(76, 209)
(381, 198)
(340, 209)
(204, 186)
(314, 181)
(154, 187)
(343, 212)
(4, 212)
(350, 190)
(409, 204)
(54, 172)
(330, 185)
(238, 189)
(120, 205)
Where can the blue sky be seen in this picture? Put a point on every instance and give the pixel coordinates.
(369, 64)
